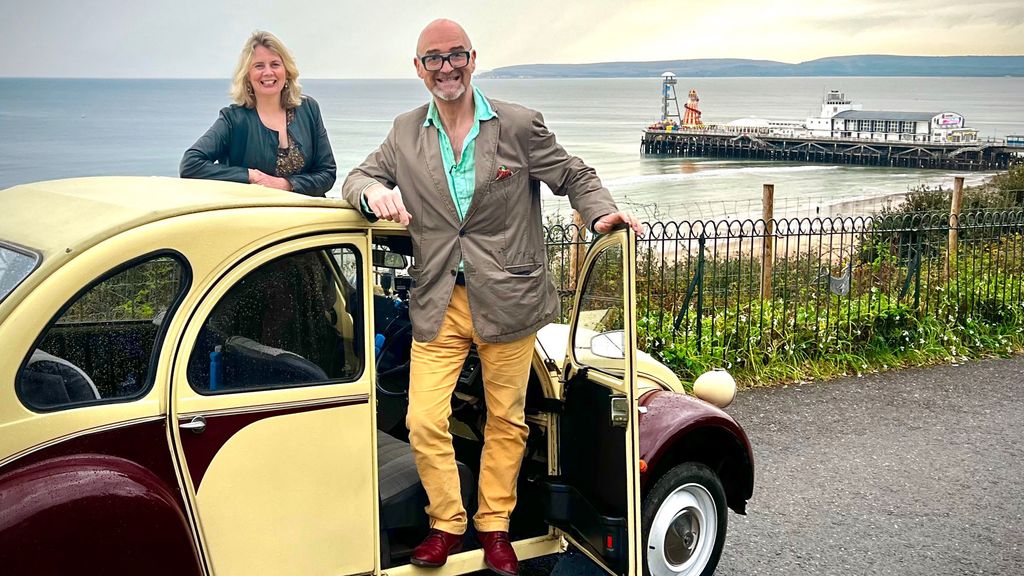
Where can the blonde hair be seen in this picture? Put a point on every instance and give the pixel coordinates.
(241, 92)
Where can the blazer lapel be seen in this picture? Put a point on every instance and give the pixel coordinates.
(431, 149)
(485, 155)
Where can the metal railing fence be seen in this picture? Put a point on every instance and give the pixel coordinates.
(720, 286)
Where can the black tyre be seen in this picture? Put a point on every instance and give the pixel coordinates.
(684, 522)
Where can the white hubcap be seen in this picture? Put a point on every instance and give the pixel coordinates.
(683, 532)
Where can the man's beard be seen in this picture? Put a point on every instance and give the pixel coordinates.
(449, 96)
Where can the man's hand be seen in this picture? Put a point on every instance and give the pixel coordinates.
(387, 204)
(606, 223)
(264, 179)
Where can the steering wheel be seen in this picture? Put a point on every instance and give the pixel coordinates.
(389, 343)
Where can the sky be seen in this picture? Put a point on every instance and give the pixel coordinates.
(377, 38)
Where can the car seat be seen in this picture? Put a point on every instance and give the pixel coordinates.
(48, 381)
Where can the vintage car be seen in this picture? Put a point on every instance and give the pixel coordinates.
(210, 378)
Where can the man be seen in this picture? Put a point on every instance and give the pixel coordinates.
(468, 172)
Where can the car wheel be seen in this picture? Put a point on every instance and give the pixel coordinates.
(684, 522)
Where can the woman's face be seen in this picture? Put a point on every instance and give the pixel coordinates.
(266, 73)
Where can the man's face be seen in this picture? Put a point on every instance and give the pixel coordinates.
(448, 83)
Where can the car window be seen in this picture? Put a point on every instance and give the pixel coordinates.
(15, 266)
(100, 347)
(599, 329)
(293, 321)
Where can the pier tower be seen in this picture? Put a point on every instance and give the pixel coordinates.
(692, 116)
(669, 102)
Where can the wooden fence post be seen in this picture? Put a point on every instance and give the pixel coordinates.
(768, 246)
(578, 249)
(954, 224)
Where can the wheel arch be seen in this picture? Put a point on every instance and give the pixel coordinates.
(65, 512)
(678, 428)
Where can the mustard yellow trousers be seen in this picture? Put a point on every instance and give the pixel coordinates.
(434, 370)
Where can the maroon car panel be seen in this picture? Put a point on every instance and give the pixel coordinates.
(105, 503)
(674, 422)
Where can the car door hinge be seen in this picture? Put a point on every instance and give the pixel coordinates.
(551, 365)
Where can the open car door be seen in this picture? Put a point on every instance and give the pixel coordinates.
(595, 498)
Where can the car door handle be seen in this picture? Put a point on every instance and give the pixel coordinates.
(196, 425)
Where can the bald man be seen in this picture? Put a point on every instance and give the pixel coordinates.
(468, 169)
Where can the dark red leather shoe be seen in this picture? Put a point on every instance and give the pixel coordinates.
(435, 548)
(498, 553)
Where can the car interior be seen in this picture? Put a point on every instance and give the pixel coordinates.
(402, 496)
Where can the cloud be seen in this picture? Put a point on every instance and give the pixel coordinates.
(358, 39)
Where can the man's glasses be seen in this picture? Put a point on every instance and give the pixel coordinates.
(434, 62)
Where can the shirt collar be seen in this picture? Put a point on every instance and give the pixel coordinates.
(481, 106)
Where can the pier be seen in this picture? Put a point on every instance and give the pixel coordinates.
(706, 142)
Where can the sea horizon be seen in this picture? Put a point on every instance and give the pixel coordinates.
(66, 127)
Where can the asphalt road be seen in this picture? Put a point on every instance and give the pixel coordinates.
(909, 472)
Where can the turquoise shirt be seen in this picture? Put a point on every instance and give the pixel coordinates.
(462, 174)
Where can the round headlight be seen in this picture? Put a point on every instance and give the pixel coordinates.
(715, 386)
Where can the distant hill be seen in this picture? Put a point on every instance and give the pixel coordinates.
(862, 65)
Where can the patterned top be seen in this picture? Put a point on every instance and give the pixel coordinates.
(289, 160)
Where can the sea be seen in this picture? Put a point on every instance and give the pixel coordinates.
(58, 128)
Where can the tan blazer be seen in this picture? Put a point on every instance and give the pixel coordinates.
(501, 239)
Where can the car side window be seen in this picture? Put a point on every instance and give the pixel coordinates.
(600, 325)
(294, 321)
(101, 347)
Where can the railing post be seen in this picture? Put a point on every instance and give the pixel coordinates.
(768, 245)
(700, 291)
(954, 225)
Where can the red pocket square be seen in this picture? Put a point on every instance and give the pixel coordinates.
(503, 172)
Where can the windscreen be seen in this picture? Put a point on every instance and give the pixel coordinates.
(15, 265)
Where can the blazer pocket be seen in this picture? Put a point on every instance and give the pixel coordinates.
(506, 178)
(523, 269)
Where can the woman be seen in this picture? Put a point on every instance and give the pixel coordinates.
(272, 135)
